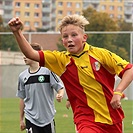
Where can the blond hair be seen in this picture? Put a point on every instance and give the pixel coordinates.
(77, 20)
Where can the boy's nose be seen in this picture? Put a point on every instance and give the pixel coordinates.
(69, 38)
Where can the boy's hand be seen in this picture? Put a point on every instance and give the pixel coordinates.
(15, 24)
(68, 104)
(22, 126)
(59, 97)
(116, 101)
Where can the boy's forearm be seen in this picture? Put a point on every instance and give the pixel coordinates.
(21, 108)
(61, 91)
(23, 43)
(21, 115)
(60, 95)
(25, 46)
(127, 78)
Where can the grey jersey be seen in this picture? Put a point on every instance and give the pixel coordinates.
(37, 90)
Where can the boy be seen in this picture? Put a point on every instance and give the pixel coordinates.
(88, 74)
(36, 92)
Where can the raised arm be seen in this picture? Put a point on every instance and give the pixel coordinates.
(16, 25)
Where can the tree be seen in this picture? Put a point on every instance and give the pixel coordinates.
(125, 26)
(60, 45)
(100, 21)
(123, 40)
(7, 41)
(1, 24)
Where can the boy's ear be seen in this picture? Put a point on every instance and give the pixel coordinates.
(61, 40)
(85, 38)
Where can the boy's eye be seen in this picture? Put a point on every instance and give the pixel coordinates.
(74, 34)
(65, 36)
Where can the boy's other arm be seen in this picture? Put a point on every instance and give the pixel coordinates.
(127, 78)
(60, 95)
(21, 107)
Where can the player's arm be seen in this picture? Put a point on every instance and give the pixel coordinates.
(127, 78)
(60, 95)
(16, 25)
(68, 104)
(21, 107)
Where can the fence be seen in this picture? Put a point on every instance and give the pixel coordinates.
(114, 41)
(49, 40)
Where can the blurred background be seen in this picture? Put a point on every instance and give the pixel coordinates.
(111, 27)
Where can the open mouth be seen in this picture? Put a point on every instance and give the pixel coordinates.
(71, 46)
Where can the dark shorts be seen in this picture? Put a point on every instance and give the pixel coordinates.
(31, 128)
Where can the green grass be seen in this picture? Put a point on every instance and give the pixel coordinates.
(128, 110)
(9, 117)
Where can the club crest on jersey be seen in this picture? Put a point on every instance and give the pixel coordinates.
(41, 78)
(96, 66)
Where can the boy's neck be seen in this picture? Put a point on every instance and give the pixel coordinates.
(34, 67)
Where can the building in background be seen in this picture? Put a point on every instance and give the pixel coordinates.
(46, 14)
(128, 11)
(67, 7)
(6, 10)
(30, 12)
(115, 8)
(91, 3)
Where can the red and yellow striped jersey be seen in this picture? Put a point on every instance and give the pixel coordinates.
(89, 79)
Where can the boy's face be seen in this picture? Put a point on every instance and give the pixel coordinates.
(27, 61)
(73, 38)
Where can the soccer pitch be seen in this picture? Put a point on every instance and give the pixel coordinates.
(9, 116)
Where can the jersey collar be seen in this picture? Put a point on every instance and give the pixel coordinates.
(86, 48)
